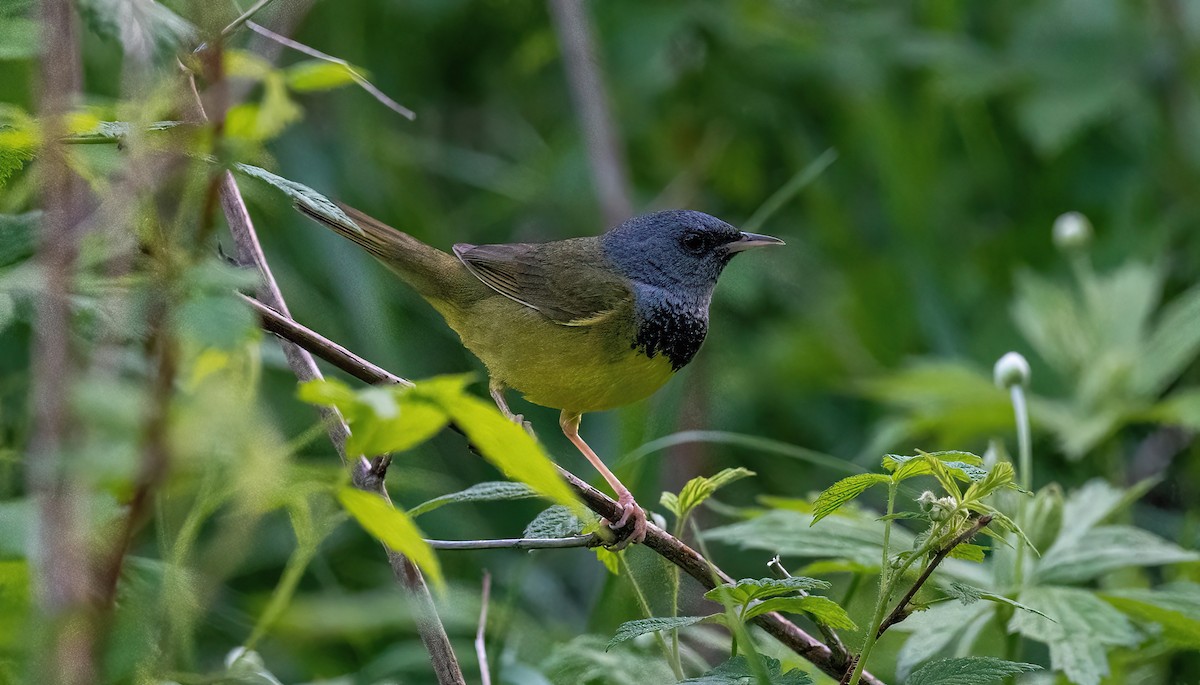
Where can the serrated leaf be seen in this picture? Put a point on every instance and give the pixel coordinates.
(854, 536)
(1106, 549)
(300, 193)
(999, 476)
(631, 629)
(822, 609)
(935, 629)
(844, 491)
(1174, 609)
(970, 670)
(967, 552)
(1077, 626)
(555, 522)
(503, 443)
(968, 594)
(1171, 346)
(738, 671)
(699, 489)
(750, 589)
(491, 491)
(316, 75)
(393, 528)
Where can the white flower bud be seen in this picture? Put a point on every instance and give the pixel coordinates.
(926, 500)
(1010, 370)
(1072, 231)
(943, 508)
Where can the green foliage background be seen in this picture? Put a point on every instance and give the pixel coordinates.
(961, 131)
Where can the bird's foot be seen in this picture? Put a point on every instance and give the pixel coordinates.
(519, 419)
(630, 529)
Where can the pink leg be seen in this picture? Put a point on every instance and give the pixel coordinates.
(631, 514)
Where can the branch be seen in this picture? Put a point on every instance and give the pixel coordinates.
(63, 586)
(605, 154)
(591, 540)
(901, 611)
(661, 542)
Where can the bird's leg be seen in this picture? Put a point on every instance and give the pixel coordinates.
(496, 388)
(631, 514)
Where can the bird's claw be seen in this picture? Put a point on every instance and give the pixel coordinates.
(630, 529)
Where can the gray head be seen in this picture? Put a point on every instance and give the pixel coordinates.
(677, 248)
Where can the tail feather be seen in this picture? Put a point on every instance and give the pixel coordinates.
(433, 273)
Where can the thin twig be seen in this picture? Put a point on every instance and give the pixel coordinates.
(358, 78)
(591, 540)
(244, 17)
(485, 675)
(249, 252)
(901, 611)
(657, 540)
(832, 639)
(605, 154)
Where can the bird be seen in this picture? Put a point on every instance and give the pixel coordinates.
(580, 325)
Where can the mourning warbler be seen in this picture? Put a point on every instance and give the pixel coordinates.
(580, 325)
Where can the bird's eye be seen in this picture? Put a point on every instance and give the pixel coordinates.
(694, 242)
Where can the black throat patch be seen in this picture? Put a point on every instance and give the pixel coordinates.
(672, 326)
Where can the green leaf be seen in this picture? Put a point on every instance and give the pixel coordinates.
(822, 609)
(853, 536)
(18, 236)
(1171, 347)
(145, 28)
(699, 489)
(415, 422)
(480, 492)
(330, 392)
(316, 75)
(17, 147)
(610, 559)
(738, 671)
(393, 528)
(968, 594)
(18, 38)
(503, 443)
(844, 491)
(937, 628)
(631, 629)
(300, 193)
(266, 119)
(970, 670)
(1174, 609)
(749, 589)
(1106, 549)
(556, 522)
(967, 552)
(15, 601)
(1077, 626)
(999, 476)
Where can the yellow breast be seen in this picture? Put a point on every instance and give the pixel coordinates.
(578, 368)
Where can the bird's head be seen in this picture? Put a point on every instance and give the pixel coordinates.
(677, 248)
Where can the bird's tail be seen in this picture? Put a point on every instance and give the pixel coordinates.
(427, 269)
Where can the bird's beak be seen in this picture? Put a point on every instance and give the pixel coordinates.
(749, 240)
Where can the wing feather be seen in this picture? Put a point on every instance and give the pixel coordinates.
(568, 281)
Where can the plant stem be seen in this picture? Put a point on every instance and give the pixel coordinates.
(645, 605)
(885, 589)
(1024, 473)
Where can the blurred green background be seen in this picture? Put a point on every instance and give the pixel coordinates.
(924, 150)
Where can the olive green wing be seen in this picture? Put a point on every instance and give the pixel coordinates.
(569, 281)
